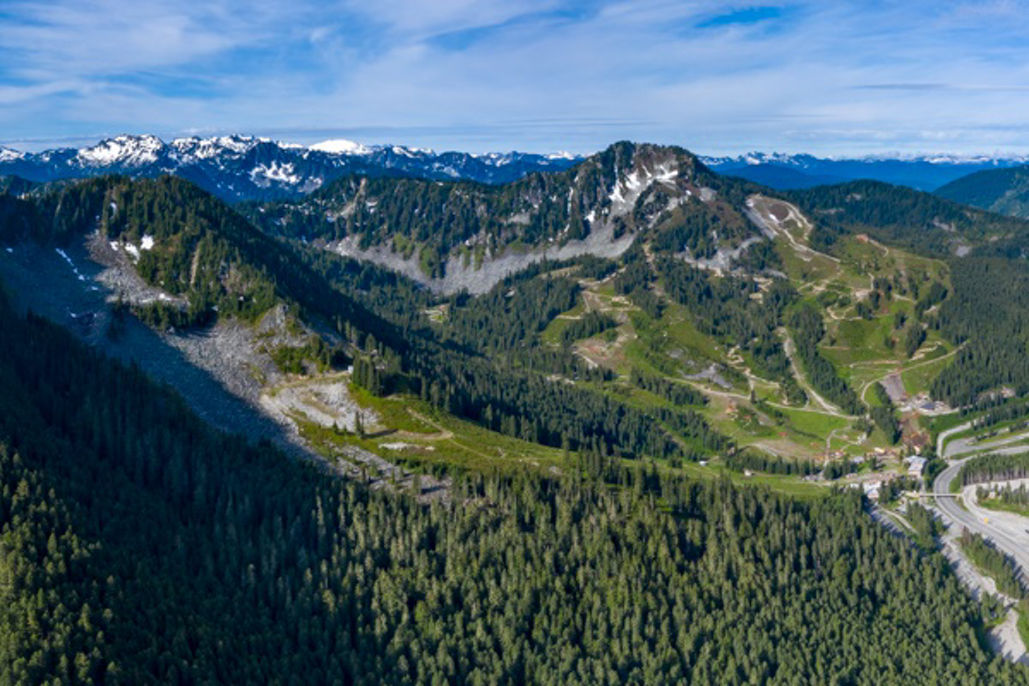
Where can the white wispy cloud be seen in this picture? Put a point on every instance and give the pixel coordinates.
(541, 74)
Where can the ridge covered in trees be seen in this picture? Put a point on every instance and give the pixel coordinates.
(140, 546)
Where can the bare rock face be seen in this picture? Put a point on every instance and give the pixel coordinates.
(486, 234)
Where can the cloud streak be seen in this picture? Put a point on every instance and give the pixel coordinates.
(847, 77)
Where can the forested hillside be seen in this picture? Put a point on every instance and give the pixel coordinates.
(1005, 191)
(900, 216)
(140, 546)
(622, 190)
(192, 246)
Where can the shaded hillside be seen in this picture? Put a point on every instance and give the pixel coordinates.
(1004, 191)
(901, 216)
(140, 546)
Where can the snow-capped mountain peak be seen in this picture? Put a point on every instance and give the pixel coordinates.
(207, 148)
(250, 168)
(9, 155)
(127, 150)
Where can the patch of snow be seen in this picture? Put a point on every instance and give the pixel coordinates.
(411, 152)
(263, 175)
(74, 269)
(132, 250)
(666, 174)
(147, 242)
(115, 245)
(341, 146)
(9, 250)
(206, 148)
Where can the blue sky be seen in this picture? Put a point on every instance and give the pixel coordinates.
(544, 75)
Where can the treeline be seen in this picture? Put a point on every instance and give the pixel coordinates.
(588, 325)
(1010, 496)
(672, 391)
(835, 469)
(140, 547)
(993, 562)
(724, 308)
(806, 324)
(552, 412)
(769, 464)
(884, 414)
(993, 467)
(989, 313)
(510, 315)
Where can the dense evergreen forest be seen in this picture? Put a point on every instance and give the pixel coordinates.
(139, 546)
(989, 313)
(900, 216)
(993, 467)
(806, 325)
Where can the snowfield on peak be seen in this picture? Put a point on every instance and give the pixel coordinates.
(127, 150)
(240, 168)
(341, 146)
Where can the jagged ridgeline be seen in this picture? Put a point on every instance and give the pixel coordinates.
(596, 207)
(211, 263)
(139, 546)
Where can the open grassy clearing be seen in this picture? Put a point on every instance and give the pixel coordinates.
(409, 432)
(412, 432)
(790, 485)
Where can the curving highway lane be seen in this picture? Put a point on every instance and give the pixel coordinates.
(1013, 541)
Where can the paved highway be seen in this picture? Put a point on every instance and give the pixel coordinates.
(1010, 539)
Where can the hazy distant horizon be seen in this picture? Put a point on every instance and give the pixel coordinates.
(309, 138)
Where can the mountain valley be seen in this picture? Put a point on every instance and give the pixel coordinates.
(635, 335)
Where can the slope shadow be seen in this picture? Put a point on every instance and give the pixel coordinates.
(62, 287)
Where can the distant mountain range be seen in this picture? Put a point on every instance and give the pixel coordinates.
(787, 172)
(239, 168)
